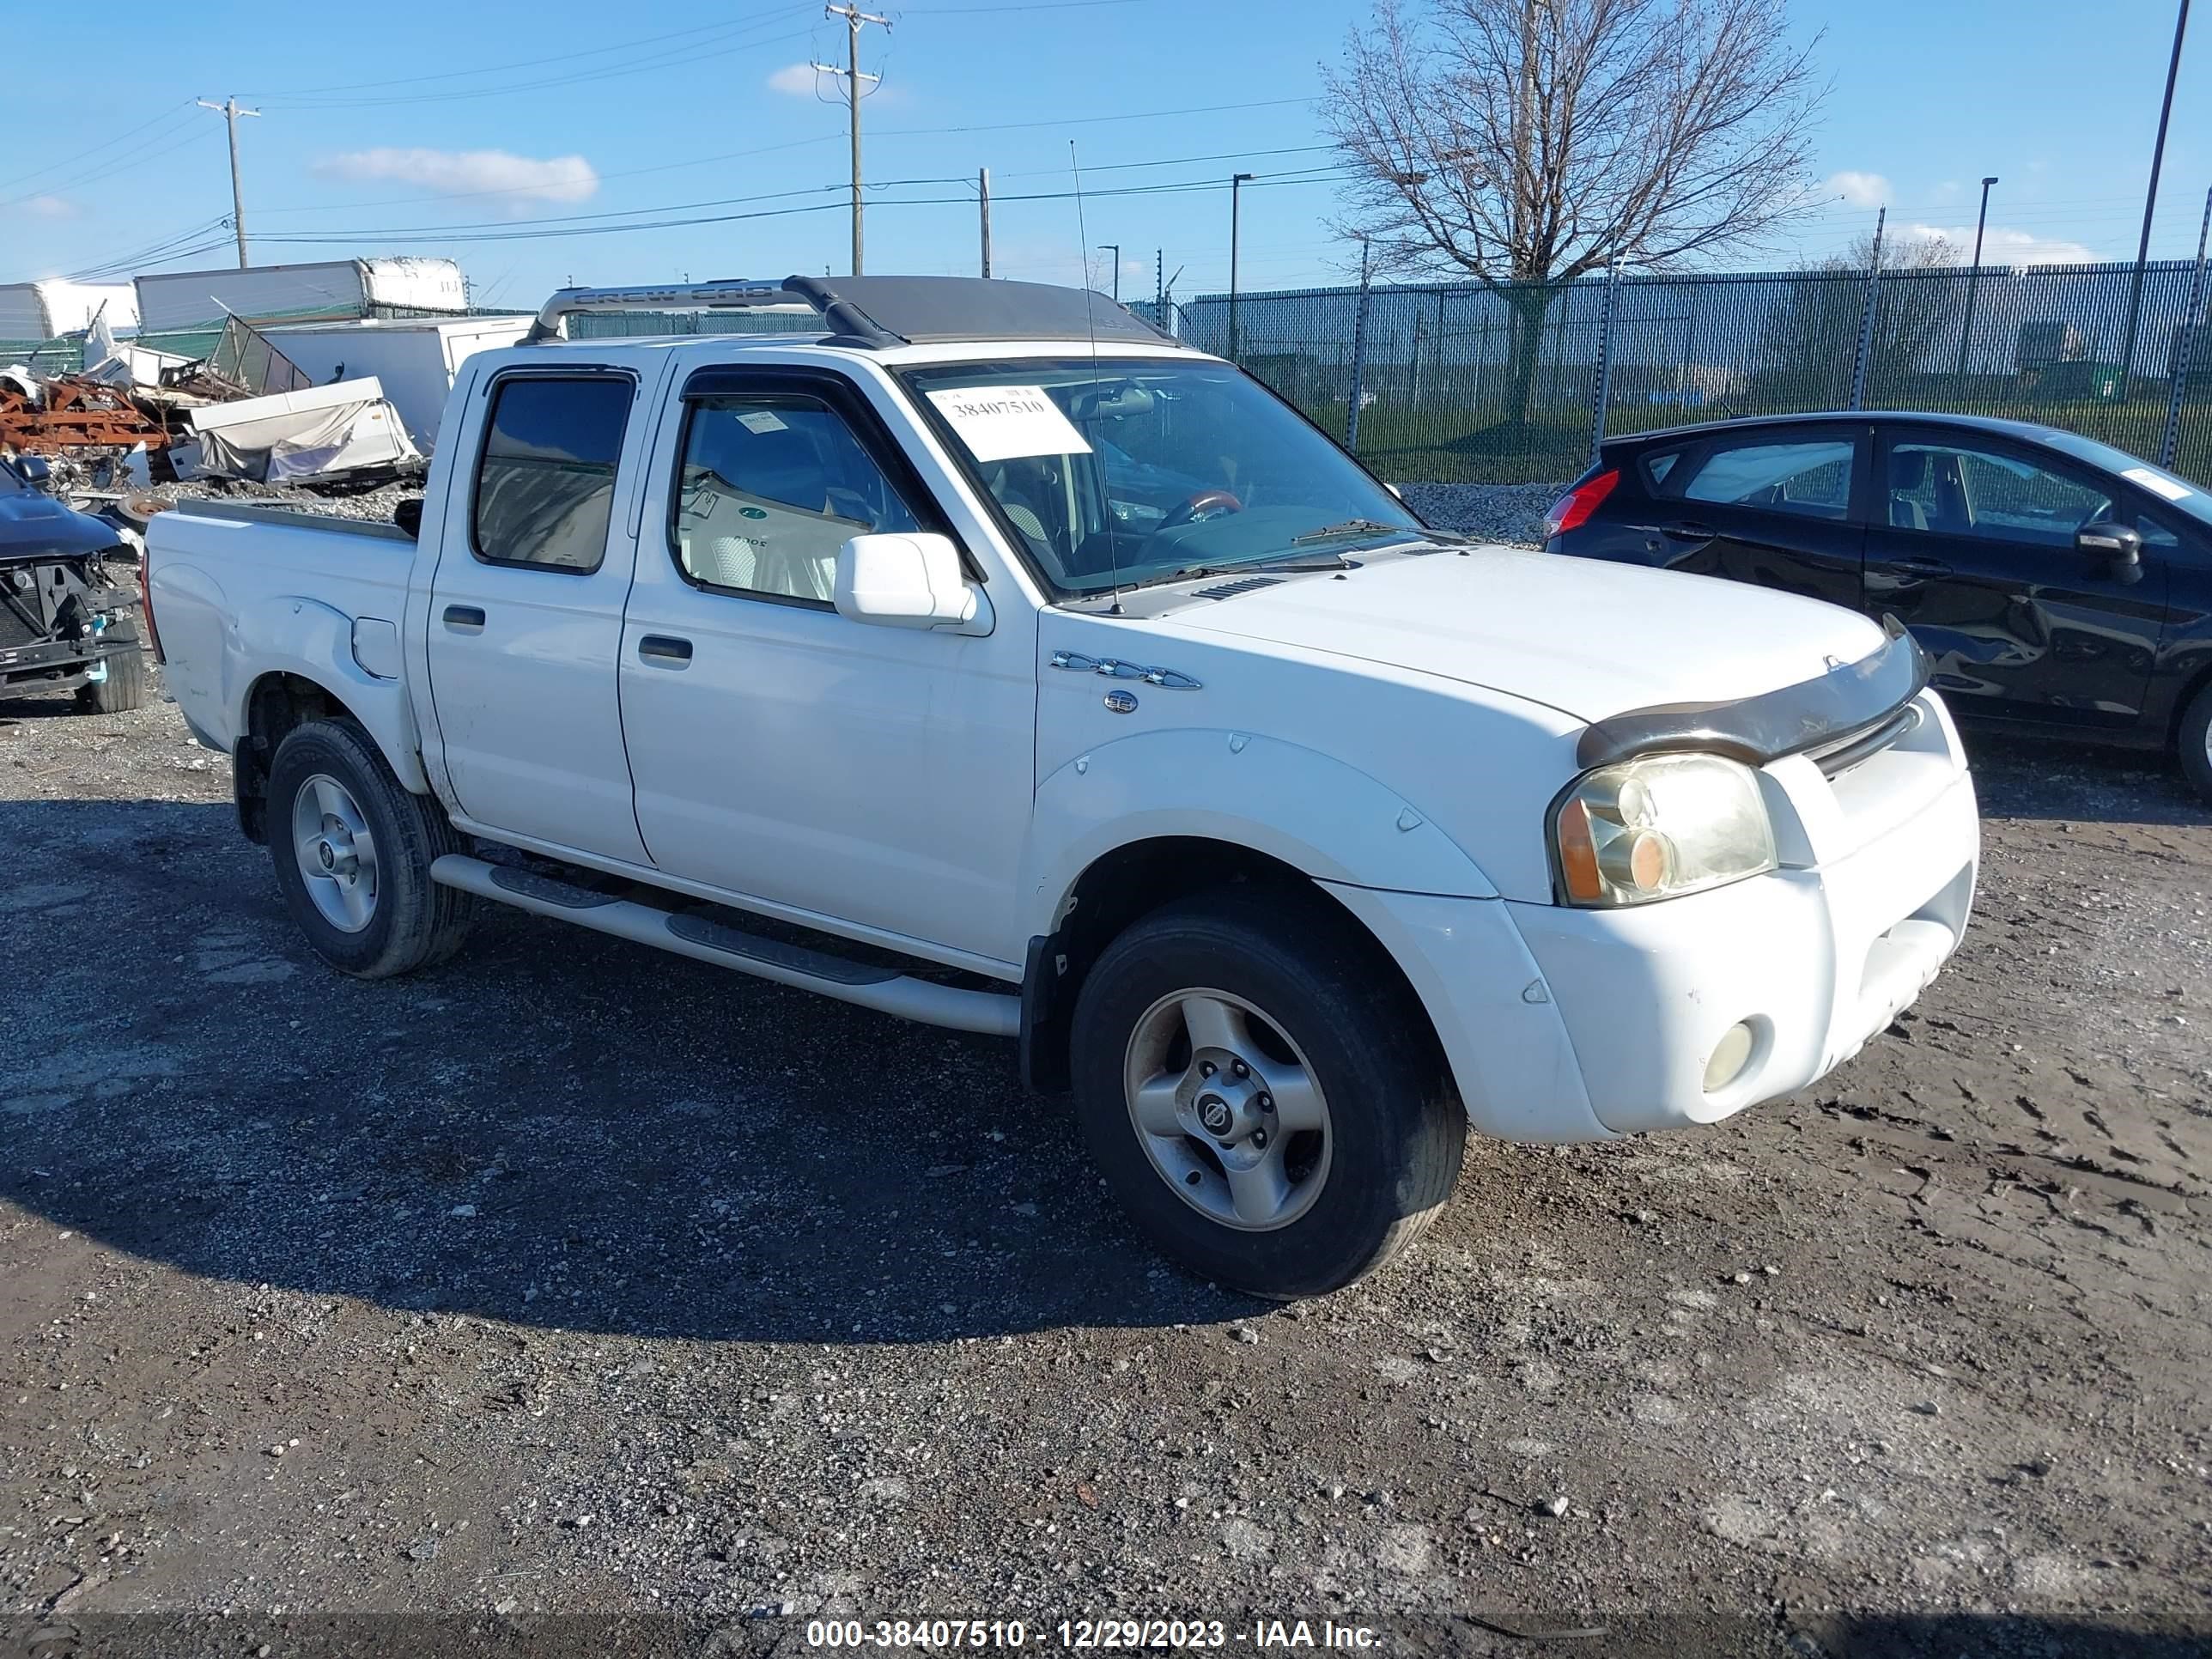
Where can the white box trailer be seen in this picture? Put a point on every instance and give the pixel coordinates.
(54, 305)
(414, 357)
(180, 299)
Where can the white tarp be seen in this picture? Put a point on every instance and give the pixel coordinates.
(309, 434)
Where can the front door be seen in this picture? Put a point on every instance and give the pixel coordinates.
(875, 777)
(1972, 549)
(1769, 505)
(526, 607)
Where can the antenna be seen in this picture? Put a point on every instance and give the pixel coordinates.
(1091, 319)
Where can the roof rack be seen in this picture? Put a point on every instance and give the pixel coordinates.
(874, 312)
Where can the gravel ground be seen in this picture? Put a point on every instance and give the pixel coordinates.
(574, 1278)
(1513, 513)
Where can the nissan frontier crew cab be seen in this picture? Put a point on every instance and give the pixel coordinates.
(995, 661)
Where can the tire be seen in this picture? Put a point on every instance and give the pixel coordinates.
(2195, 743)
(122, 688)
(1312, 1010)
(370, 909)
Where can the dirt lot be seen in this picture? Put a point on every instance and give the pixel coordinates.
(578, 1279)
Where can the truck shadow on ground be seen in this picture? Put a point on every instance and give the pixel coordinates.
(555, 1129)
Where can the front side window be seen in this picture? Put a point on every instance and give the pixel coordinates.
(1133, 470)
(1988, 494)
(545, 482)
(772, 486)
(1812, 478)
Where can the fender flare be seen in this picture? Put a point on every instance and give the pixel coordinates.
(290, 633)
(1315, 813)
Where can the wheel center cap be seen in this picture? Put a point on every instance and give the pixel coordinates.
(1216, 1114)
(327, 854)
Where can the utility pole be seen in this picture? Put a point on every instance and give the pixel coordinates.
(854, 17)
(2150, 199)
(1114, 248)
(1974, 279)
(983, 194)
(1236, 219)
(1160, 287)
(230, 111)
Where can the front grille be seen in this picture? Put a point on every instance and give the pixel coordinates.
(1836, 758)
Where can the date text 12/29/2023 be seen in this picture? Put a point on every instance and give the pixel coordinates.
(1122, 1635)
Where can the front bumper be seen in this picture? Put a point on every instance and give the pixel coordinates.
(1563, 1024)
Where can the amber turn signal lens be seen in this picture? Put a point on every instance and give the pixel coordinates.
(1578, 854)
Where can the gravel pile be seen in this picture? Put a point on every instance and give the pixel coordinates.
(1512, 513)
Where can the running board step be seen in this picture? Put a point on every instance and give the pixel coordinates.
(703, 939)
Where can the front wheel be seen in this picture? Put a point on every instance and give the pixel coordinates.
(352, 848)
(1260, 1093)
(2195, 743)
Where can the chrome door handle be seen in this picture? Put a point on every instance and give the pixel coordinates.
(465, 618)
(664, 650)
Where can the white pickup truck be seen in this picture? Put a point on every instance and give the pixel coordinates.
(991, 660)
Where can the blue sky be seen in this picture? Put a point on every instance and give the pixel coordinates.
(461, 129)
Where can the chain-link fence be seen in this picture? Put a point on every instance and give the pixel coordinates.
(1513, 384)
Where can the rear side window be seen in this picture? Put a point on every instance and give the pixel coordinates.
(1656, 467)
(1808, 477)
(545, 481)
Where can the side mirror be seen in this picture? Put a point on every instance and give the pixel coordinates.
(2118, 545)
(35, 470)
(908, 581)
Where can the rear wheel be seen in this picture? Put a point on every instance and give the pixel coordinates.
(352, 848)
(122, 686)
(2195, 743)
(1260, 1095)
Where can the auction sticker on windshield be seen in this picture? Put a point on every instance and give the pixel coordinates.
(1006, 423)
(2157, 482)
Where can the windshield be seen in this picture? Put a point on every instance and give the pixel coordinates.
(2178, 493)
(1138, 469)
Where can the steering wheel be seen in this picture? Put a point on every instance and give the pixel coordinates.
(1206, 502)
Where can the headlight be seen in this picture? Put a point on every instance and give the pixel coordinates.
(1657, 828)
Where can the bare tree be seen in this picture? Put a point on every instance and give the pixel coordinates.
(1529, 142)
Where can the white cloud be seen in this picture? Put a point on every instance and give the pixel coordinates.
(522, 180)
(797, 79)
(51, 207)
(2003, 246)
(1860, 189)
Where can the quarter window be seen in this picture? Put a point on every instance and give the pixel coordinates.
(1812, 478)
(772, 486)
(546, 482)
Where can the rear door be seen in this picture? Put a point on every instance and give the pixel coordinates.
(1772, 505)
(526, 609)
(1973, 551)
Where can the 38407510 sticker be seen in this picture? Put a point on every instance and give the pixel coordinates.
(1006, 423)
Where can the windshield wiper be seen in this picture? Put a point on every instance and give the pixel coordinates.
(1311, 561)
(1374, 527)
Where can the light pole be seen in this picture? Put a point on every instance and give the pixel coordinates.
(1974, 279)
(1235, 212)
(1114, 248)
(2150, 198)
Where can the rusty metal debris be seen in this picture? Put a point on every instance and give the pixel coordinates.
(74, 413)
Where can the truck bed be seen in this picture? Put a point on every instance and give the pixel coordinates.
(222, 572)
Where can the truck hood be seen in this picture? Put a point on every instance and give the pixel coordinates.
(34, 526)
(1591, 640)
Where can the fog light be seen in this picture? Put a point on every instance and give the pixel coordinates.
(1729, 1055)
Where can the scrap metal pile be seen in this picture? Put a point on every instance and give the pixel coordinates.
(243, 413)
